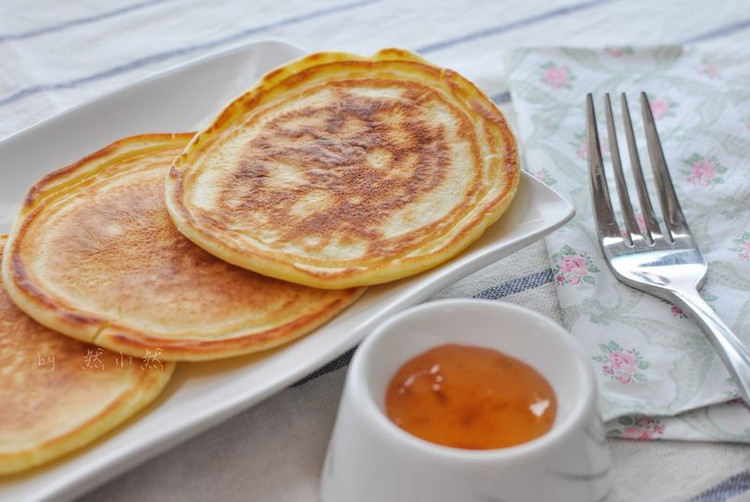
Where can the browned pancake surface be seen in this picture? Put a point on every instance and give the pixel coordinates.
(57, 393)
(358, 162)
(102, 262)
(340, 170)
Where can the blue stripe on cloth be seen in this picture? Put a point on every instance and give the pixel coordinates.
(516, 286)
(163, 56)
(731, 487)
(337, 363)
(720, 32)
(77, 22)
(501, 97)
(494, 293)
(496, 30)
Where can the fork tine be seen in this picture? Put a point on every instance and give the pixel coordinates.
(631, 225)
(647, 210)
(603, 214)
(673, 218)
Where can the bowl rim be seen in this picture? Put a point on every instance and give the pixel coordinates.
(360, 392)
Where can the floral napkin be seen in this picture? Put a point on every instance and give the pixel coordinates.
(658, 375)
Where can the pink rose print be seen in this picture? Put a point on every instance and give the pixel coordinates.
(575, 265)
(581, 145)
(660, 108)
(583, 148)
(620, 365)
(545, 177)
(709, 69)
(640, 221)
(677, 312)
(743, 246)
(702, 171)
(638, 427)
(572, 267)
(623, 361)
(618, 52)
(556, 76)
(636, 433)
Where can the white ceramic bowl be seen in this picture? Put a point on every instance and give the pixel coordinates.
(370, 459)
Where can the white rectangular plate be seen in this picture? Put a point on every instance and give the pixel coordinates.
(201, 395)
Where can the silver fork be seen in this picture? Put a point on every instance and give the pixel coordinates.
(664, 262)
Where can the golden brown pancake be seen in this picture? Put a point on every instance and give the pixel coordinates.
(339, 170)
(58, 394)
(95, 256)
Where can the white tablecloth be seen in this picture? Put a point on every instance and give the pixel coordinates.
(57, 54)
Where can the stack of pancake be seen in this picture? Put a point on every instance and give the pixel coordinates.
(335, 172)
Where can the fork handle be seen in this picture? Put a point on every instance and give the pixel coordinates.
(732, 351)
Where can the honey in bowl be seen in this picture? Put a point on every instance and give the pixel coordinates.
(470, 397)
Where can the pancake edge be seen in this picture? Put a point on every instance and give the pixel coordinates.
(124, 408)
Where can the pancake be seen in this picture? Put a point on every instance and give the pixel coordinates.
(94, 255)
(58, 394)
(340, 170)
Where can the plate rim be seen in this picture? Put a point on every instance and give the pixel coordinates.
(177, 68)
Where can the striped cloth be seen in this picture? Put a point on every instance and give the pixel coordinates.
(59, 54)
